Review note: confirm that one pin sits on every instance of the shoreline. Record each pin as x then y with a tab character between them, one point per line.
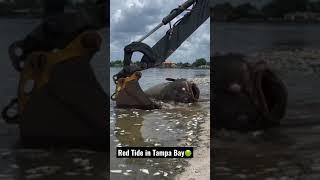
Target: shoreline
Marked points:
267	22
163	67
199	165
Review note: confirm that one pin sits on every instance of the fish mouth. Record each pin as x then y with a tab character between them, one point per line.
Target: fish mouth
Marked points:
272	93
190	92
194	91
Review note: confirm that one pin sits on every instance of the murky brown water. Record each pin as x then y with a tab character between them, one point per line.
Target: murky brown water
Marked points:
290	151
173	125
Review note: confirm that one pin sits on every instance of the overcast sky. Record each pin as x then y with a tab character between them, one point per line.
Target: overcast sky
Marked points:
131	19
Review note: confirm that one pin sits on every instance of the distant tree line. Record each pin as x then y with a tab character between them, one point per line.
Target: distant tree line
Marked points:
8	7
273	9
197	63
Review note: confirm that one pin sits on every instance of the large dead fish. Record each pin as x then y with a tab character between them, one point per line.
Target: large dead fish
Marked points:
176	90
248	95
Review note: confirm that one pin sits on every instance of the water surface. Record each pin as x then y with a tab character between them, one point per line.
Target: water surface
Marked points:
290	151
176	124
252	37
173	125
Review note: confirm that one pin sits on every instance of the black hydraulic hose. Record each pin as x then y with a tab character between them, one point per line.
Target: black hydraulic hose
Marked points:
174	13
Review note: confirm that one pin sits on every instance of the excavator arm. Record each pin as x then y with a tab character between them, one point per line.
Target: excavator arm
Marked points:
197	14
175	36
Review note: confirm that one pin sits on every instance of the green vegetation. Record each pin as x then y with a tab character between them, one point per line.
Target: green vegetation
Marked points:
279	8
198	63
34	8
275	10
117	63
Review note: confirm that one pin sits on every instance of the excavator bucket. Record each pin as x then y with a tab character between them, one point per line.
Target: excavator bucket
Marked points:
130	95
60	102
68	111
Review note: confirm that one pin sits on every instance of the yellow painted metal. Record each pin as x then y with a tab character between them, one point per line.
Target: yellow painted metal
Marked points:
121	83
38	66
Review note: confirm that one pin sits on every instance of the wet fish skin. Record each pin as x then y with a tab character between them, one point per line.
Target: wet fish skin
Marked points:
177	90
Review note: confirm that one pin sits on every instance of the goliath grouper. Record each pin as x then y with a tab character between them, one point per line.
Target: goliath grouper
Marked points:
131	95
177	90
